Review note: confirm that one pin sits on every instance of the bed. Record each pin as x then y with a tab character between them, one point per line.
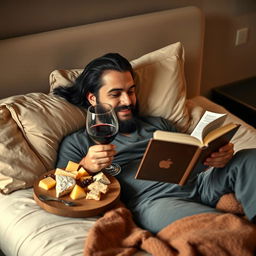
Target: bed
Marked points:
32	124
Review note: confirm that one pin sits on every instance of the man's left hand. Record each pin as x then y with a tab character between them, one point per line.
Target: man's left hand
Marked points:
221	158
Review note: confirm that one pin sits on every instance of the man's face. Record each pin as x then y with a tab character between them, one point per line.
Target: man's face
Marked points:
118	90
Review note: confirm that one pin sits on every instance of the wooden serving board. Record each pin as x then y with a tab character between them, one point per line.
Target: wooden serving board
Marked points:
85	207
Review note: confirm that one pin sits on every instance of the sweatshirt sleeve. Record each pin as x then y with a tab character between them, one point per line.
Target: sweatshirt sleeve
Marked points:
72	148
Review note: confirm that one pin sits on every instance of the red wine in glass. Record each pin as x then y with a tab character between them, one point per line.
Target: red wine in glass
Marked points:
102	126
103	133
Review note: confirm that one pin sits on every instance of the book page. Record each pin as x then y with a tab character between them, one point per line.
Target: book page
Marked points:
208	122
176	137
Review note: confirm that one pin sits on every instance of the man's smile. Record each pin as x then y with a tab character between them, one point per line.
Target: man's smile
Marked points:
124	111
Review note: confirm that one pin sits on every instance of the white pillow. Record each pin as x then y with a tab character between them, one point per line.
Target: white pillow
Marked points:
160	81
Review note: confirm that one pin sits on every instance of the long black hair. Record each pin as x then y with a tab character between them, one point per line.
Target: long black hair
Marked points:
90	80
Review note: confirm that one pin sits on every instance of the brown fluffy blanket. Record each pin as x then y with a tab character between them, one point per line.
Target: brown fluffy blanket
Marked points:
207	234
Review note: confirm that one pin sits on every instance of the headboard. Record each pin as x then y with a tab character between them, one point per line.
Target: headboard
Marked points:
27	61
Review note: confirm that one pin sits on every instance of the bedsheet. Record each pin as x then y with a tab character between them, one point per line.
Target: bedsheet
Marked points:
26	229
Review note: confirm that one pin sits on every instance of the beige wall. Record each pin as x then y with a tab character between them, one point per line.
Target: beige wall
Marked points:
223	61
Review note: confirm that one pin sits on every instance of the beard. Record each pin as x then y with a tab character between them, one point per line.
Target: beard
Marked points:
129	125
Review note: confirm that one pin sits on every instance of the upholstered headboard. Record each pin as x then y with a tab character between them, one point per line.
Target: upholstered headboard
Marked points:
27	61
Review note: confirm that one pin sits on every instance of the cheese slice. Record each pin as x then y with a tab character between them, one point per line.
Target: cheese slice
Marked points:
81	173
98	186
72	166
77	193
101	177
62	172
95	195
47	183
64	185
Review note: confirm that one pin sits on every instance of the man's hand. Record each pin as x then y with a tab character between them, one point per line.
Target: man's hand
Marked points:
98	157
221	158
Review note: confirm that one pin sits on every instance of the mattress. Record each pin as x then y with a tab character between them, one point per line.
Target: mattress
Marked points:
26	229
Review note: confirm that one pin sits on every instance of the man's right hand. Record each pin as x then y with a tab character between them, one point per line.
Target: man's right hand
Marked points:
98	157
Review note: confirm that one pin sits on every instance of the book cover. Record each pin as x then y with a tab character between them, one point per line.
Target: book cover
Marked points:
165	161
173	157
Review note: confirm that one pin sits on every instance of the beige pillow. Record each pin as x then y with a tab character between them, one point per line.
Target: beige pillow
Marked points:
63	77
161	86
32	127
19	165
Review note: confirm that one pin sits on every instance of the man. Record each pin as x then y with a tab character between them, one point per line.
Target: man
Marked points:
109	79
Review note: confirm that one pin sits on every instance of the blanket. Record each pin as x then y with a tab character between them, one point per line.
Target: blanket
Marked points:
206	234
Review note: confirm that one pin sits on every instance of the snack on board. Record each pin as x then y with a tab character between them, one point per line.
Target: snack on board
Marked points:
77	193
75	181
93	194
72	166
62	172
98	186
47	183
85	181
64	185
82	173
101	177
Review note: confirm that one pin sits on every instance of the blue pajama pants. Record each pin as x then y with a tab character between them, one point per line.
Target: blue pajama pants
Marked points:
239	176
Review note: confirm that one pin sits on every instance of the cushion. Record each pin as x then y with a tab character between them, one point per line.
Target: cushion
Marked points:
19	165
161	86
32	126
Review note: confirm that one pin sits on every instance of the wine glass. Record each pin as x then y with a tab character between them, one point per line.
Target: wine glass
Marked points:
102	127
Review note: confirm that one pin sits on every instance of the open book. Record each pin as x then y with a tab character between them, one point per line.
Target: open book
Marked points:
177	157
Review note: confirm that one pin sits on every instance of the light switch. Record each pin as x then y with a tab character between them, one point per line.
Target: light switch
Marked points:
241	36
